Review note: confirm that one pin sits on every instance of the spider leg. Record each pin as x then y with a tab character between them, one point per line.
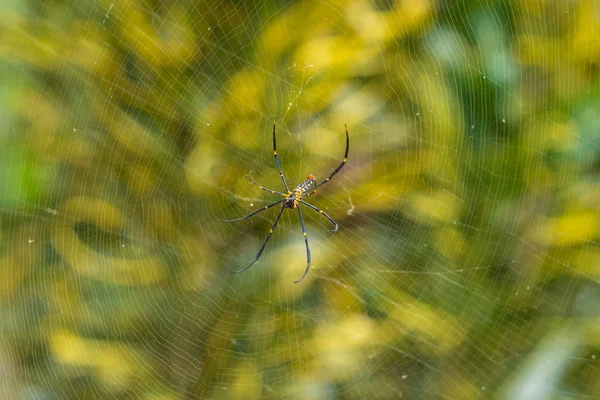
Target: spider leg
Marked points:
339	166
313	191
307	248
252	213
264	244
277	159
322	213
266	189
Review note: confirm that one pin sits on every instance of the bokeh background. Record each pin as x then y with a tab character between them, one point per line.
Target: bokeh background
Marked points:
467	264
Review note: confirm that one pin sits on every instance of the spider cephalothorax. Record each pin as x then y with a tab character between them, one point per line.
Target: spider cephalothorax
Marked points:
293	199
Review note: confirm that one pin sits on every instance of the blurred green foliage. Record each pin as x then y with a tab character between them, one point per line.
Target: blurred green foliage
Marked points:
467	262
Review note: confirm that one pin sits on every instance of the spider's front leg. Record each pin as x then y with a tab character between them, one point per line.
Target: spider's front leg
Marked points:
264	244
252	213
265	189
306	242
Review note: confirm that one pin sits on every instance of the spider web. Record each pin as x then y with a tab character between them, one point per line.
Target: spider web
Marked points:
466	264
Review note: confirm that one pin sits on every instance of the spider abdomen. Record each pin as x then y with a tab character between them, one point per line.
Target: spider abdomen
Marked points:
294	197
305	185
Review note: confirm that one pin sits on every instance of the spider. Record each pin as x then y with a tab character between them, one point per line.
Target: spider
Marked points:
293	199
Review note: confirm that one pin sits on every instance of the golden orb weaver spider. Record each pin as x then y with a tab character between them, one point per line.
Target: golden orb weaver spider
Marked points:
293	199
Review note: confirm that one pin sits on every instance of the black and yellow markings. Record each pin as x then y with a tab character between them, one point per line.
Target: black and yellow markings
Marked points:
292	199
